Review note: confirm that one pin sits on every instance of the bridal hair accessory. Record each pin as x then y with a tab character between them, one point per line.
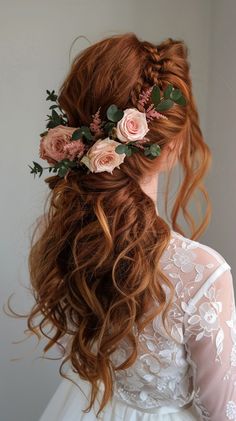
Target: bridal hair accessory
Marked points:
103	145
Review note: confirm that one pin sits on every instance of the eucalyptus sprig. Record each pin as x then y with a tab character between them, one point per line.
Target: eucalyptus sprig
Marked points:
84	132
113	114
55	119
171	95
61	167
150	151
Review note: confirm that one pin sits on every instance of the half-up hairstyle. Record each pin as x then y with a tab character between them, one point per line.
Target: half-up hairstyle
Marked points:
94	266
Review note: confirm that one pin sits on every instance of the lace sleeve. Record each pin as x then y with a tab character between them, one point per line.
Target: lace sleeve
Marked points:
210	342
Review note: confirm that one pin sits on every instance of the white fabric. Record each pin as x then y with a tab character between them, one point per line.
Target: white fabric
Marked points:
194	379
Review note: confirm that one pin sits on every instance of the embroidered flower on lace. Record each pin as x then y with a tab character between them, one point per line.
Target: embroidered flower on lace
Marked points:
231	410
232	325
184	259
206	321
159	374
200	408
179	259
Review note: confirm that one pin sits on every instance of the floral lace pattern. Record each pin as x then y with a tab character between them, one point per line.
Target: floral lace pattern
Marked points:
203	321
231	410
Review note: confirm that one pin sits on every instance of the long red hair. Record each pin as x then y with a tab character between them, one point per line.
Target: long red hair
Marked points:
94	261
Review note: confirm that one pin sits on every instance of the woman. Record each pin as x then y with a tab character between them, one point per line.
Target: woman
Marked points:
144	314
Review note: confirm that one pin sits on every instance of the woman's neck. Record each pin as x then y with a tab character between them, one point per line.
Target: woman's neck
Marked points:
150	186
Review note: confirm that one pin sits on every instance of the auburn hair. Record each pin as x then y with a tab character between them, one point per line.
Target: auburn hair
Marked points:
94	256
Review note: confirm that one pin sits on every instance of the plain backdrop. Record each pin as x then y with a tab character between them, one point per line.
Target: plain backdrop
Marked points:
34	48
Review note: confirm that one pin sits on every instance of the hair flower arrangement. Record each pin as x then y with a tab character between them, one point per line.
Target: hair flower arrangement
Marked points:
103	145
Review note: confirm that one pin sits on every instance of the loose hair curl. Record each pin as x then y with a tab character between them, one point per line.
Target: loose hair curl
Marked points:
94	267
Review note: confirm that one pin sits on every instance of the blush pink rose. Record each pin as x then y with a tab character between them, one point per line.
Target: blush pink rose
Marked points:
133	126
53	143
102	156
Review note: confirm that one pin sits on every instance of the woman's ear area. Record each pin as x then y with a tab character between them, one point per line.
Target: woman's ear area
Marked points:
170	148
173	145
169	155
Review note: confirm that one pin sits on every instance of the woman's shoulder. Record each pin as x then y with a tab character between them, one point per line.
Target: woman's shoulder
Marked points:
200	251
189	261
192	266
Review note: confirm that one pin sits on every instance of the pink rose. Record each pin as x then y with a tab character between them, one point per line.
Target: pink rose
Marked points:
53	143
102	156
133	125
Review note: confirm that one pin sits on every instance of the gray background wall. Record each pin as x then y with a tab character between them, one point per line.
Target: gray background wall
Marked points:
34	47
220	128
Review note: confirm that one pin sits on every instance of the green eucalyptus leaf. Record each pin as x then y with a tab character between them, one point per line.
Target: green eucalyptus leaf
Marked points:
176	94
148	154
55	120
156	95
119	115
76	134
63	166
38	166
181	100
73	164
114	114
62	171
133	147
129	152
155	149
51	96
146	151
64	122
53	106
151	157
51	124
168	91
36	169
55	116
86	132
109	126
165	104
122	149
112	109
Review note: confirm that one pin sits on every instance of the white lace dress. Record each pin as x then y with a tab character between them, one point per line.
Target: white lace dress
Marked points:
196	379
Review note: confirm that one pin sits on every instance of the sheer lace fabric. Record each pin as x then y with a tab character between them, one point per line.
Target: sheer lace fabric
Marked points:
200	368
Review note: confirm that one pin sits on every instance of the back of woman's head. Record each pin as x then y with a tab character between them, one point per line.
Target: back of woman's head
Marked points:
94	267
